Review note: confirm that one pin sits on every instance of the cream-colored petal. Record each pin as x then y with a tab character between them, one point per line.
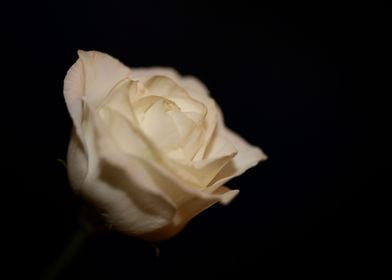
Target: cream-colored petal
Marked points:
159	126
189	210
191	144
118	99
169	84
195	87
140	91
187	104
145	73
247	157
165	87
74	85
198	91
227	194
77	162
127	137
219	146
210	122
101	73
91	78
201	172
123	190
184	125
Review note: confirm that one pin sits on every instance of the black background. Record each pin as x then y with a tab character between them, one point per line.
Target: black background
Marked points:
301	81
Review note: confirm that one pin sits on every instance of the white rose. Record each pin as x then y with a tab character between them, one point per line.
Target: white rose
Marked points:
149	148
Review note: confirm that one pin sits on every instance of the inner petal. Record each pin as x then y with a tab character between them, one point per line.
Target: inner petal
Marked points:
187	104
126	136
118	99
157	123
202	172
165	87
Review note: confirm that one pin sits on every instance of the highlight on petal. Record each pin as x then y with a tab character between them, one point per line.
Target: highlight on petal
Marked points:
101	73
118	99
123	190
159	126
125	135
91	78
247	157
201	172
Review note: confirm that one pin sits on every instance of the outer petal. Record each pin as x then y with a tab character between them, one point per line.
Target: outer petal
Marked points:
122	189
73	94
189	201
77	163
189	210
201	172
91	77
247	157
101	73
195	87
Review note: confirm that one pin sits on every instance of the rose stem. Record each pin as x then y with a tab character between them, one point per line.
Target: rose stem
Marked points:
69	252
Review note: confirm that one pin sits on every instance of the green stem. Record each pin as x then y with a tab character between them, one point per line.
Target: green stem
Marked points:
69	252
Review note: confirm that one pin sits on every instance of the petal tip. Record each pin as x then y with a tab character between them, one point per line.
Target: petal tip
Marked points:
227	197
81	52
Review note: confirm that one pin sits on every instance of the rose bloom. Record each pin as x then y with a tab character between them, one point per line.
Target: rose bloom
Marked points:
149	148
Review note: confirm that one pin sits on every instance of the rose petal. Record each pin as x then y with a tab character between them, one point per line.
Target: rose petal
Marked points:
189	210
73	94
127	137
118	99
210	121
247	157
188	105
189	201
196	90
194	87
145	73
165	87
77	163
92	77
201	171
159	126
184	124
101	73
122	188
190	145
